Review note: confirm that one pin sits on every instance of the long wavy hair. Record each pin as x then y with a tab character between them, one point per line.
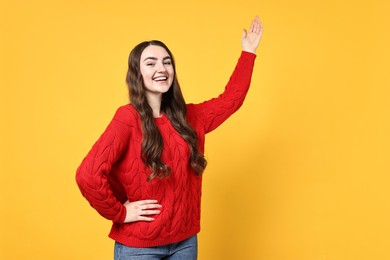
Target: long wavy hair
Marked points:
173	106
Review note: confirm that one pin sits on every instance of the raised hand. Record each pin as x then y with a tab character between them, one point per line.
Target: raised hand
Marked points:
141	210
251	38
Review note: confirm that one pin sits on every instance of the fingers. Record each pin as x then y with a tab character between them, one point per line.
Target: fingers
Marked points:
251	38
144	215
150	208
147	204
146	208
259	27
150	212
141	218
253	25
141	210
256	26
244	33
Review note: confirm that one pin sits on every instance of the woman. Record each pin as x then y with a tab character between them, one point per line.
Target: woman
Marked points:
145	171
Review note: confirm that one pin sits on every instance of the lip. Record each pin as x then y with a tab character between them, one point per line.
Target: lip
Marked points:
160	78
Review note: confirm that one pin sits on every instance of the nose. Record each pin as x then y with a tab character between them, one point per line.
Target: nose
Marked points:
161	67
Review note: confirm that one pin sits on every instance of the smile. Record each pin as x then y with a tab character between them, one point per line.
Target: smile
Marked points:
160	78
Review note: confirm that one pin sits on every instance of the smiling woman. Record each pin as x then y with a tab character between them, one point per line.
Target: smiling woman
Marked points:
145	171
157	74
150	101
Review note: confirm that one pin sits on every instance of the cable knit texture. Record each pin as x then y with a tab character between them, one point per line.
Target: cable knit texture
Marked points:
113	171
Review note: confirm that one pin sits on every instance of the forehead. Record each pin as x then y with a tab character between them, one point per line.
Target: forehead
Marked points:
154	51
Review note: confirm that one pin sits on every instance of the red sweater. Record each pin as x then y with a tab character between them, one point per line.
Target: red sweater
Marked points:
113	171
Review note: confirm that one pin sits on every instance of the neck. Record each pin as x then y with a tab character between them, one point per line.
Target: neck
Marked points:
154	101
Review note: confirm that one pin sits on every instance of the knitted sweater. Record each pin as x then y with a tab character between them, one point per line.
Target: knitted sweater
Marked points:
113	171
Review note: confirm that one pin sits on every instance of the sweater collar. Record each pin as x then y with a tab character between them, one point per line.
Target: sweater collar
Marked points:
161	120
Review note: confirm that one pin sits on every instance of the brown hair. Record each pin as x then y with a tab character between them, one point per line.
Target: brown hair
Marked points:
174	107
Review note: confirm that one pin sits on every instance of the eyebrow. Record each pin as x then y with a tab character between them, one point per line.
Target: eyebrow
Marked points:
154	58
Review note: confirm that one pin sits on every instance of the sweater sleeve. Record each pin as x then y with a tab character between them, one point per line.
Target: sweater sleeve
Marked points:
92	174
214	112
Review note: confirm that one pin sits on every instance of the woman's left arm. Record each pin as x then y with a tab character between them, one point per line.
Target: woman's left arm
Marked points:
214	112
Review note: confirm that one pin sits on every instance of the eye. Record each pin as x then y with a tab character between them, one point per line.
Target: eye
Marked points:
167	63
149	64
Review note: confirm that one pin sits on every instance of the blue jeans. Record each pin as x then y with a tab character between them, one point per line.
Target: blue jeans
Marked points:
183	250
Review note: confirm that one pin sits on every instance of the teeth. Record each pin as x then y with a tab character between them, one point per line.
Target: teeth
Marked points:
160	78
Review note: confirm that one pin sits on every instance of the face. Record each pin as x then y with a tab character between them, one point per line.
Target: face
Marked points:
156	69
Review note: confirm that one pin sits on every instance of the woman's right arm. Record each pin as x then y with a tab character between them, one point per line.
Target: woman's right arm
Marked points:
91	175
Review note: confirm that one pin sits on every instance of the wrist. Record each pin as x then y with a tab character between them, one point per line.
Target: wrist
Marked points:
249	50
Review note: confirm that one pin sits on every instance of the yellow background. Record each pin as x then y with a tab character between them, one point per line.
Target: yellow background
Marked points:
301	172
